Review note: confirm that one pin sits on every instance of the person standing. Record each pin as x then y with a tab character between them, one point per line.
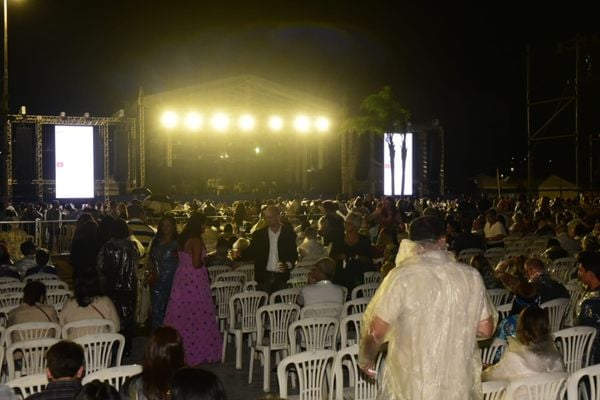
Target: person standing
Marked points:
430	309
191	309
587	312
273	249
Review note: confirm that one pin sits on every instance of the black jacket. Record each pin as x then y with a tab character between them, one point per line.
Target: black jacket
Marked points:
259	249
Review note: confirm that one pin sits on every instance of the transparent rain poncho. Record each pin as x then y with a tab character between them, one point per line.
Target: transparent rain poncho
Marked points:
433	306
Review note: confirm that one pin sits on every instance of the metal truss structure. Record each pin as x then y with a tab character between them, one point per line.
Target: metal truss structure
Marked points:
103	123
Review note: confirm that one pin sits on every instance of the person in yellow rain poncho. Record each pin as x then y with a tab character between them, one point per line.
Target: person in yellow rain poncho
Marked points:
430	310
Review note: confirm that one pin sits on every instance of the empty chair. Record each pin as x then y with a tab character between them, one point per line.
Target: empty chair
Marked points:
289	295
28	385
586	382
115	376
372	277
231	276
222	292
30	331
313	334
557	309
312	369
8	279
58	298
242	320
215	270
33	356
350	330
248	270
99	350
56	284
499	296
493	390
537	387
575	344
324	309
278	318
12	287
364	290
359	386
491	354
355	306
40	277
75	329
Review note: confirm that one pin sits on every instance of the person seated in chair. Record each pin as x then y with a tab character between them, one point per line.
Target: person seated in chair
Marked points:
32	309
320	288
42	257
64	369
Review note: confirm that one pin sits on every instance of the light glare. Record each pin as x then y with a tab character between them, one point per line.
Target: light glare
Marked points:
302	123
220	121
275	123
193	121
169	119
247	122
257	150
322	124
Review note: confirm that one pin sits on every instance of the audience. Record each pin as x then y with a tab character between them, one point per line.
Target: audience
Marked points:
32	309
42	257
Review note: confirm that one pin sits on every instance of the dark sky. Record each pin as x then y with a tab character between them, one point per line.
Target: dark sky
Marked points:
462	64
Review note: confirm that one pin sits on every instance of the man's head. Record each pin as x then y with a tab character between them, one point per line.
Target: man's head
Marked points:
27	248
34	292
490	216
42	257
273	217
534	267
588	268
425	228
324	270
65	359
136	211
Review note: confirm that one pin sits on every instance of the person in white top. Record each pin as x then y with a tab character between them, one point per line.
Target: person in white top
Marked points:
310	249
320	288
493	230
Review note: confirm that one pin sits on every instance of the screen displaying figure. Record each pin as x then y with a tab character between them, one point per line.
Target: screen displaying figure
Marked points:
387	177
74	162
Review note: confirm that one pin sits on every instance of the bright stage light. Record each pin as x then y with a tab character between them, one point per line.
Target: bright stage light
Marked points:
247	122
220	121
193	121
169	119
302	123
257	150
322	124
275	123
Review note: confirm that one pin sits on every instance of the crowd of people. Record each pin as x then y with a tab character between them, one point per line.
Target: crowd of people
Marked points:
129	270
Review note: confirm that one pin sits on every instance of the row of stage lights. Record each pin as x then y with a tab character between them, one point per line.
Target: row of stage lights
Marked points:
223	122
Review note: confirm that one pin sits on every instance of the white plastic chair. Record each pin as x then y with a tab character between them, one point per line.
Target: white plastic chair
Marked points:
31	331
576	292
312	369
575	344
494	254
40	277
493	390
58	297
56	284
248	270
222	292
504	310
215	270
297	282
83	327
242	320
325	309
274	319
8	279
488	354
465	255
2	333
549	386
584	384
499	296
289	295
355	306
33	360
250	286
348	324
313	333
360	386
372	277
98	350
299	272
364	290
557	309
4	314
12	287
28	385
232	276
11	299
114	376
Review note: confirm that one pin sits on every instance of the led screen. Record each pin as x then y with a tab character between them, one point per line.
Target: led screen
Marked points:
387	178
74	162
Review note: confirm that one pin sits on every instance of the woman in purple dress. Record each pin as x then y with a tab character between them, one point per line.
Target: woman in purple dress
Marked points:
191	309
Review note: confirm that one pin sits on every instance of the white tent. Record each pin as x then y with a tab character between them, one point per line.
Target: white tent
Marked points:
555	186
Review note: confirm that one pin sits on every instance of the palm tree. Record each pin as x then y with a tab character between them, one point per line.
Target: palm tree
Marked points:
383	115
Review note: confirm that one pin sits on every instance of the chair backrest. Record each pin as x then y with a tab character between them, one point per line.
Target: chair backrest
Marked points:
364	290
242	309
11	299
557	309
279	317
114	376
84	327
312	369
232	276
538	387
465	255
289	295
372	277
299	272
250	285
4	314
575	344
350	323
588	376
504	310
325	309
360	386
222	292
567	262
355	306
12	287
98	350
40	277
56	284
215	270
498	296
314	334
494	390
28	385
8	279
33	356
493	353
30	331
297	282
248	270
58	297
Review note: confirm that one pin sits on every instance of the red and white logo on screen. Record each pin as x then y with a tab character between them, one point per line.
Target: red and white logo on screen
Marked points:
60	164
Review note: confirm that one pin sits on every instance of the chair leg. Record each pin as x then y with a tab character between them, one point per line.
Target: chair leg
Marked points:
267	369
238	349
251	366
224	351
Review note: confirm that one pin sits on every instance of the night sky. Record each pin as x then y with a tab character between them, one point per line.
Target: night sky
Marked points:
462	64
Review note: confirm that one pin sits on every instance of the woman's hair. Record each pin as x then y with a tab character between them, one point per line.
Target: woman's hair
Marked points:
4	255
160	232
193	228
533	326
97	390
196	384
119	229
87	288
33	292
163	356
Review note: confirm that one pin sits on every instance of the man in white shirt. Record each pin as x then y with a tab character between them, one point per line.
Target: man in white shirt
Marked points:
493	230
320	288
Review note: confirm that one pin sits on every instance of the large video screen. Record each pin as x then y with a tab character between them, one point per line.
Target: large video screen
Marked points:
387	177
74	162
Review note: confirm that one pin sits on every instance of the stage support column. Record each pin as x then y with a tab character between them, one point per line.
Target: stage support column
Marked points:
142	139
39	162
104	135
9	162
